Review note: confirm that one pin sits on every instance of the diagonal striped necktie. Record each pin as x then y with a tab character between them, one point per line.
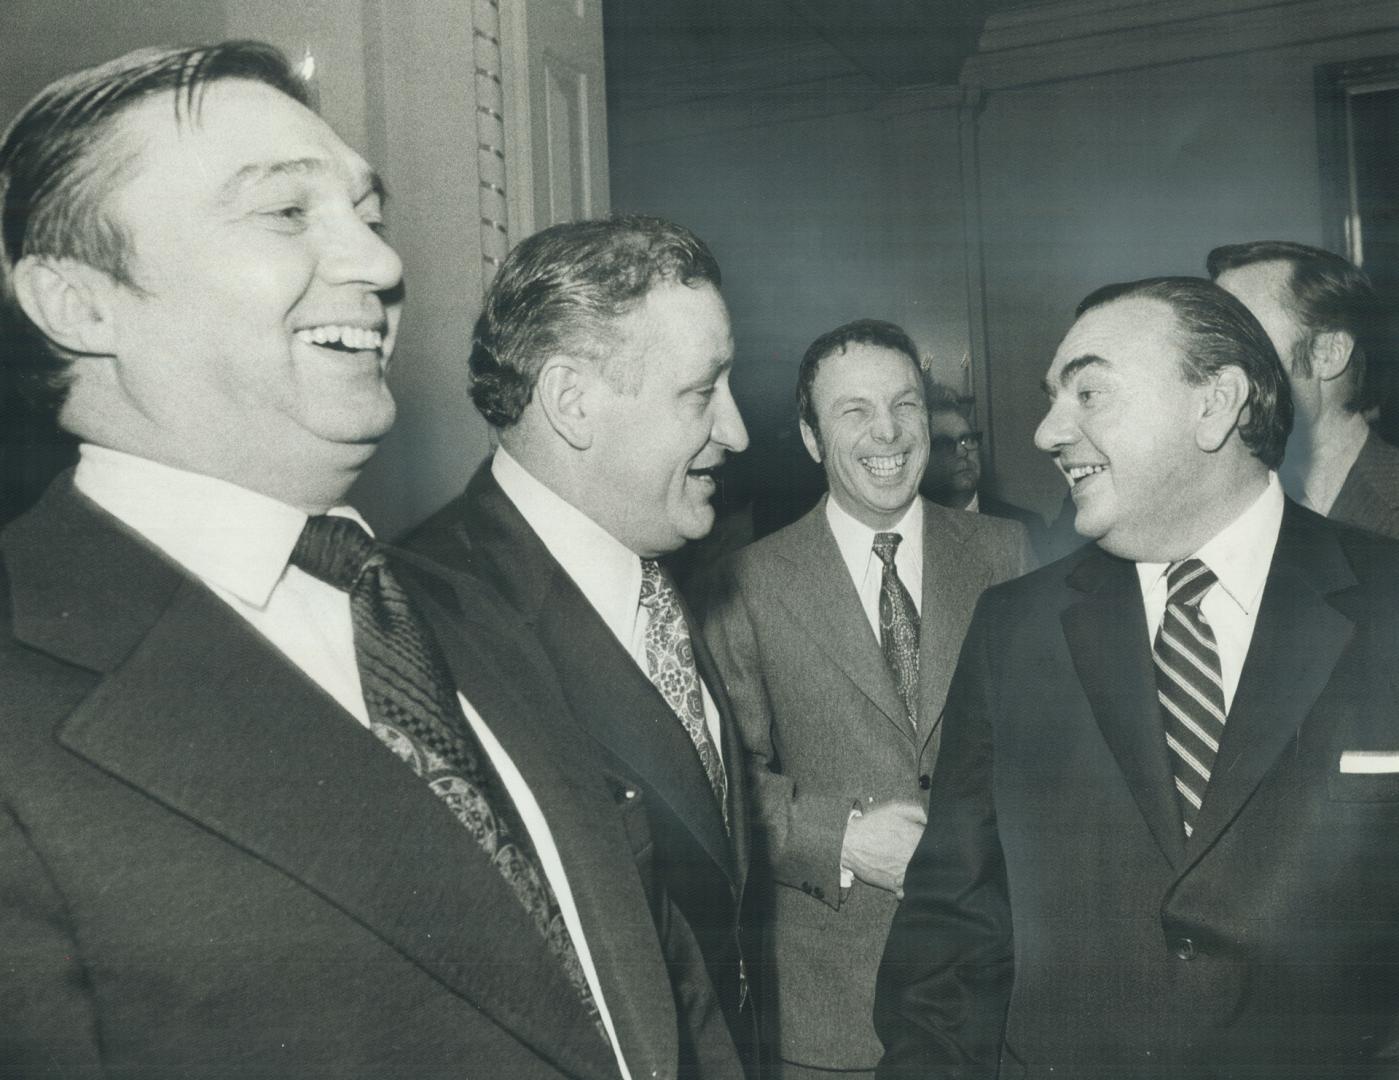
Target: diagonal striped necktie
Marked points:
1189	685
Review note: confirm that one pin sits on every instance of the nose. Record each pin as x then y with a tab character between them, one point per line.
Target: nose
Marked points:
884	426
1055	430
357	253
729	430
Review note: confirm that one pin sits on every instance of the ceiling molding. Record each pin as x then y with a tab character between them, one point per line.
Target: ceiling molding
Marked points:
745	71
1078	38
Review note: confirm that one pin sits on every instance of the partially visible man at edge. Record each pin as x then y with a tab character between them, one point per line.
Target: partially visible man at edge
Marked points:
602	360
1327	324
265	810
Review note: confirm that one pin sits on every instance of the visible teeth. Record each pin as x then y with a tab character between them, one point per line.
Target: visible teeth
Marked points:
884	466
1076	473
351	337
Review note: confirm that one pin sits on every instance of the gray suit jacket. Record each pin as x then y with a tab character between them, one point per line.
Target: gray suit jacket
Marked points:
824	728
1370	496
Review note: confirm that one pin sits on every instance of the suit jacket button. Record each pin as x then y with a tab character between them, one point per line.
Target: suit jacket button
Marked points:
819	893
925	781
1184	949
806	886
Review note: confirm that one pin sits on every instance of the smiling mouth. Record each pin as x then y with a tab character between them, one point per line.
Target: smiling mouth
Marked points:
884	467
342	337
1077	473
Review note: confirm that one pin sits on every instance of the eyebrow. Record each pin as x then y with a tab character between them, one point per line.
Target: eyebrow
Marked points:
1072	368
260	171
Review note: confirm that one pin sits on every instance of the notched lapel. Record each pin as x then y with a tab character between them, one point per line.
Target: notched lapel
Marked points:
1106	635
813	584
1297	641
211	721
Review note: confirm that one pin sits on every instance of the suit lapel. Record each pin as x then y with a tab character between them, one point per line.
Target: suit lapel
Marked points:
204	716
1297	640
605	688
1107	639
940	636
824	600
589	836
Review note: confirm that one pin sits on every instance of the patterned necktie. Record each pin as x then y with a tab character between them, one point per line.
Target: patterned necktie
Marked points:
898	625
670	663
1189	685
413	710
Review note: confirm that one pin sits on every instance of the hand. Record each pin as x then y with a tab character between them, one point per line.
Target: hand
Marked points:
879	843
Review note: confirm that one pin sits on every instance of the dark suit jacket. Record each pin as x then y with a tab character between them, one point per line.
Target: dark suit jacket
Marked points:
631	725
1033	522
823	728
209	869
1370	496
1056	917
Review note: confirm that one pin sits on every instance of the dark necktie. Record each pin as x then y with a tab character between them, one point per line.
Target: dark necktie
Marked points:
1189	685
670	663
413	709
898	625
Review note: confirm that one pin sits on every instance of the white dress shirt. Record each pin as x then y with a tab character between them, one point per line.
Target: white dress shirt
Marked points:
1239	554
856	543
238	543
606	571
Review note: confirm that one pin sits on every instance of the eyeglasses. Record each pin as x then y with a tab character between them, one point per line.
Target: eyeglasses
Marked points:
948	444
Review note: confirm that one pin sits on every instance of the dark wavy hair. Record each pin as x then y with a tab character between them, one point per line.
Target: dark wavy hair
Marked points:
61	159
1217	331
860	332
1324	293
563	290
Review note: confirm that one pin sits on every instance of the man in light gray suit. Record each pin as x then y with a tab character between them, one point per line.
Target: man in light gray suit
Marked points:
836	638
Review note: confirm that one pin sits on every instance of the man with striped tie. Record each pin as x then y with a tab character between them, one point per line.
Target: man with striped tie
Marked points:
1169	786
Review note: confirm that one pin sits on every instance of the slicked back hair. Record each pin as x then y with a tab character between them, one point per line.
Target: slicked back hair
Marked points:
60	160
1324	293
1217	331
860	332
563	291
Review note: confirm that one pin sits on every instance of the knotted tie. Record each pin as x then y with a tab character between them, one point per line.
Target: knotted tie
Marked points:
670	663
413	710
898	624
1189	685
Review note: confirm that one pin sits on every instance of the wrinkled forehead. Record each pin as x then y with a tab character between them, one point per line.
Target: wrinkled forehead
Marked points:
1122	333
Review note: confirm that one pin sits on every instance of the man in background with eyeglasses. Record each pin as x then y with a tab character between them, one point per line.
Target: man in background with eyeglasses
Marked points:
953	476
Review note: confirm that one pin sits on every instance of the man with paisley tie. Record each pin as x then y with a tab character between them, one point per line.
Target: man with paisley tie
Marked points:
1164	815
836	638
601	358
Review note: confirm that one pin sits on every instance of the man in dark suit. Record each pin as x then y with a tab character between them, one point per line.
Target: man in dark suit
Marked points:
602	359
1327	324
1169	781
953	475
272	806
840	740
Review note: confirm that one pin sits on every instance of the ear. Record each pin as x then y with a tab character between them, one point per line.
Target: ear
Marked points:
1224	401
564	390
1331	351
811	440
69	301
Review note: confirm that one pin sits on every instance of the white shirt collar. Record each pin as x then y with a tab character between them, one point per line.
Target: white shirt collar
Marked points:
223	534
855	539
1240	553
606	571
